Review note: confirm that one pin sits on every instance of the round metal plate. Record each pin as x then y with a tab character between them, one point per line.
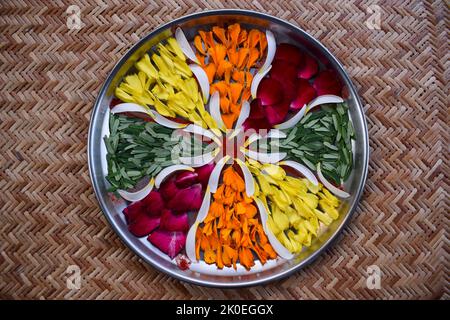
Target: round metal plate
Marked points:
202	273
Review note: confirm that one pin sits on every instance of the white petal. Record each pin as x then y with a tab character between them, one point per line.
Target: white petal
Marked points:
185	46
302	169
336	191
326	98
168	171
190	242
213	182
214	109
138	195
133	107
276	244
248	178
200	160
271	48
195	129
292	121
167	122
243	115
130	107
257	79
264	157
204	208
202	79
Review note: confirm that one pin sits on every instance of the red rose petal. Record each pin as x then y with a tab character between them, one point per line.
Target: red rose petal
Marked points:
133	211
168	189
283	71
309	68
257	124
188	199
186	179
153	203
276	113
171	243
269	92
305	94
256	109
143	225
174	222
290	89
289	53
327	82
203	173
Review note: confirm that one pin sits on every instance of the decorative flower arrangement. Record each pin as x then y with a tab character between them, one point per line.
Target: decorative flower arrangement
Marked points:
229	149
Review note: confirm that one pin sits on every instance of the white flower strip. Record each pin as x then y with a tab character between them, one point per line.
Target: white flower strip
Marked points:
195	129
271	49
308	174
281	250
248	178
324	99
133	107
190	242
168	171
264	157
202	79
185	46
336	191
256	80
215	174
138	195
292	121
214	109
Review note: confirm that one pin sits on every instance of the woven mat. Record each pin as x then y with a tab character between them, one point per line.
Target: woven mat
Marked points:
50	219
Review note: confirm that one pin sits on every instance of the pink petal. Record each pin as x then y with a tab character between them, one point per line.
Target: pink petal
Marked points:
256	109
283	71
133	211
289	53
204	172
174	222
171	243
153	203
168	189
143	225
327	82
186	179
188	199
269	92
309	68
276	113
305	94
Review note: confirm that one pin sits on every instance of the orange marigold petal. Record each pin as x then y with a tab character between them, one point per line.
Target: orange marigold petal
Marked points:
253	57
210	70
199	45
233	32
220	34
242	57
235	90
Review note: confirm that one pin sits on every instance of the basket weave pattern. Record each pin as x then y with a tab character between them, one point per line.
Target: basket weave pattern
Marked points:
50	77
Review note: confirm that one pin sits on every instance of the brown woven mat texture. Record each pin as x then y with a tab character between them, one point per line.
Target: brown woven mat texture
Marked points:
396	53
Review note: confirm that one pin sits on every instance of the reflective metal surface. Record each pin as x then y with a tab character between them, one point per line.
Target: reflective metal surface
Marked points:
203	274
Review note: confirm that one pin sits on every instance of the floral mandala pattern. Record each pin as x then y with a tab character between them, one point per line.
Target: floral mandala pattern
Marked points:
230	149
